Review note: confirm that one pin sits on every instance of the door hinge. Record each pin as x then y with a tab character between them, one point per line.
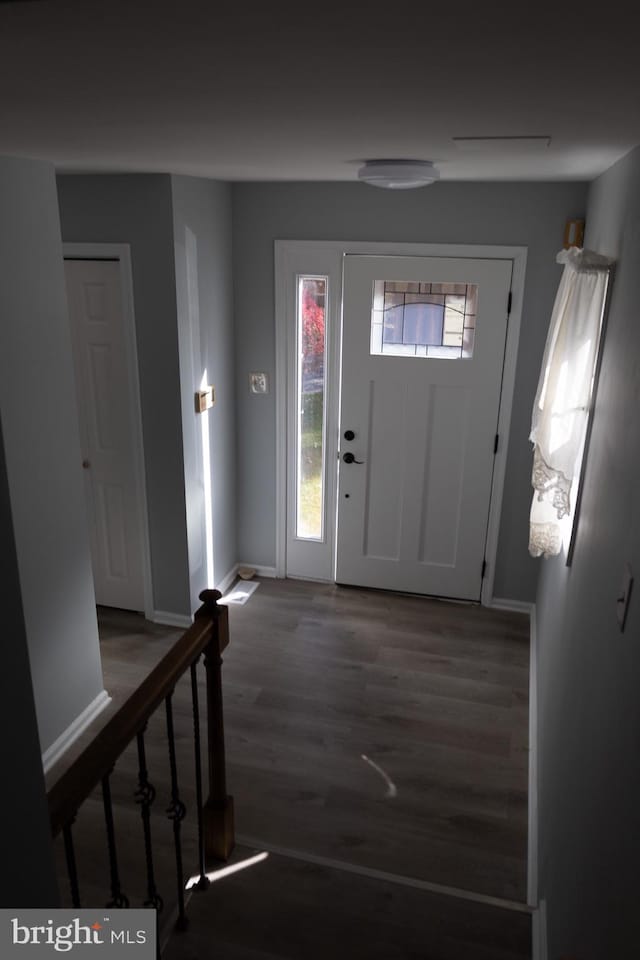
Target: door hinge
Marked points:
484	569
509	299
495	443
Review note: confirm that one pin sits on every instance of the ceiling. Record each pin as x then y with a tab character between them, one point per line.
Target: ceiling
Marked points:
291	91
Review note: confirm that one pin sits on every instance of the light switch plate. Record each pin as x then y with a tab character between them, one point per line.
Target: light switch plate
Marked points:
622	600
258	383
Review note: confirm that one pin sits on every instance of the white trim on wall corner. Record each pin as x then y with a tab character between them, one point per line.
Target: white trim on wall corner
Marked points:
540	950
533	814
516	606
228	579
60	746
269	572
532	837
518	255
281	393
171	619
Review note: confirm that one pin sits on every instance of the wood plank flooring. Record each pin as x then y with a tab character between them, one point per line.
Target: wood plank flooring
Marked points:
286	909
434	693
317	677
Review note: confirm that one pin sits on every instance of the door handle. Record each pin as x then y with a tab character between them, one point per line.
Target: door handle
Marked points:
349	458
86	464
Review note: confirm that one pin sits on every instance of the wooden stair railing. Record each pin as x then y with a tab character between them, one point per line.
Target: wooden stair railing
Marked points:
209	634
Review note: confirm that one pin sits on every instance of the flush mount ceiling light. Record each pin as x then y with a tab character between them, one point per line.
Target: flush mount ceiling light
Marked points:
398	174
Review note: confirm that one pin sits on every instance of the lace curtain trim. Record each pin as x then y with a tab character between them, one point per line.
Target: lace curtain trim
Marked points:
545	539
551	485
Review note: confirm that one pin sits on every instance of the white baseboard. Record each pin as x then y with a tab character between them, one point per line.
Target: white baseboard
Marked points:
60	746
517	606
228	579
540	950
532	838
402	880
172	619
269	572
240	593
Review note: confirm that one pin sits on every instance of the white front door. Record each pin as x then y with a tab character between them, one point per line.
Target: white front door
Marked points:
94	294
422	361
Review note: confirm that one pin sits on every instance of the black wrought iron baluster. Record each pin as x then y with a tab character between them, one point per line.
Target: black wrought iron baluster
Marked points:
145	795
118	898
203	882
71	864
176	812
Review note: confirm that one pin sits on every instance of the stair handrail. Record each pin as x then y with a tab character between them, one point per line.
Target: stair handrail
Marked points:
209	634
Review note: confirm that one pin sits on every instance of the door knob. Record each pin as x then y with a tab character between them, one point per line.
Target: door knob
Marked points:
349	435
349	458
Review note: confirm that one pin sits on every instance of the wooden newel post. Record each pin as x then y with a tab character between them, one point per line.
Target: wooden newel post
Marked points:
218	808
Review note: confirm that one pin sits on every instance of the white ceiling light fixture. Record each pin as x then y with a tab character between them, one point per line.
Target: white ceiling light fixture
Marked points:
398	174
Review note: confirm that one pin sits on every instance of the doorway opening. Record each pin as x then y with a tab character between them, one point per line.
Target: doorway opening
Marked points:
396	429
102	326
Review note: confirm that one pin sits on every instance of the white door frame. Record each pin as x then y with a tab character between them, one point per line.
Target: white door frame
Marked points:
121	252
286	250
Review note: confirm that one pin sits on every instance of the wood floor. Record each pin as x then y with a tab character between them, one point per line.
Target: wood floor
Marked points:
434	693
316	679
288	909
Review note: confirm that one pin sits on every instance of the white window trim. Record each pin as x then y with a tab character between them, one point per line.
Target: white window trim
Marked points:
584	454
292	261
329	255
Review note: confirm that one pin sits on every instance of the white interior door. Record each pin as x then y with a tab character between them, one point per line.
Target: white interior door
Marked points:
94	293
422	358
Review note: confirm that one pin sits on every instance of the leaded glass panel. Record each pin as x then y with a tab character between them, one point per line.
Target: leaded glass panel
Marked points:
421	319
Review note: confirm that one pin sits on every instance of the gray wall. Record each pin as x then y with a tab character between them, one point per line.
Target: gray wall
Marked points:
589	707
42	450
26	840
526	214
202	236
137	209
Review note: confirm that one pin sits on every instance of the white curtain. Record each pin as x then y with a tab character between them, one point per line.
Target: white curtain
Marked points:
562	402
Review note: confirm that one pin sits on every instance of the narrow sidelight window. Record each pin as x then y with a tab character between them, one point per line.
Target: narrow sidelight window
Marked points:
310	433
